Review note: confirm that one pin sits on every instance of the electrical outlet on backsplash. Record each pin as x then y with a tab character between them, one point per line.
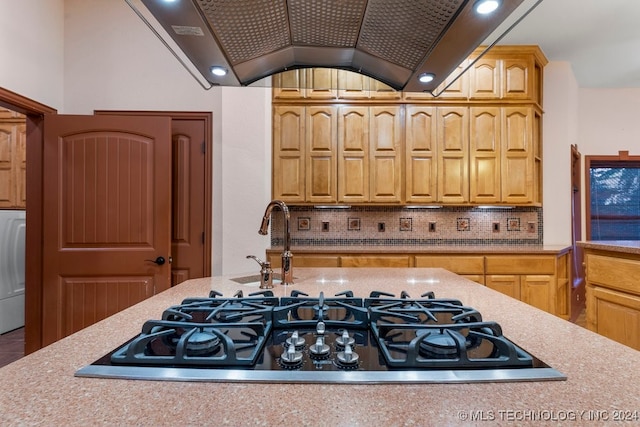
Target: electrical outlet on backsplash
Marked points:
366	225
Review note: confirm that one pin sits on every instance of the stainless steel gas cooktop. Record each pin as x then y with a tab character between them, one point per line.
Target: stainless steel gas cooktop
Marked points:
382	338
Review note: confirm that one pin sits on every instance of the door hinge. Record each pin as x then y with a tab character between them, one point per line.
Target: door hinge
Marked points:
203	237
203	147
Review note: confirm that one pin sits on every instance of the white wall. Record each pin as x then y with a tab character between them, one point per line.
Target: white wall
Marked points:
609	121
113	61
31	48
560	125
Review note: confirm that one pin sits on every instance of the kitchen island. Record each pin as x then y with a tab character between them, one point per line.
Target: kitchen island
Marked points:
613	290
603	378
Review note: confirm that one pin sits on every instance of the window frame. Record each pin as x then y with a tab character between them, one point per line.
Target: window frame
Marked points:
623	158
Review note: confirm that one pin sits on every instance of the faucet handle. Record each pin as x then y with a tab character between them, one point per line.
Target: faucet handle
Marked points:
256	259
266	274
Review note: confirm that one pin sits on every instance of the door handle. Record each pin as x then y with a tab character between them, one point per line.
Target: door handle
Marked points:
160	260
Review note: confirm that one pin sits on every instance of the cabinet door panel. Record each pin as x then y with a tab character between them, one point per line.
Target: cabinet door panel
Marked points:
517	155
517	83
536	290
506	284
13	138
453	154
321	162
7	145
289	153
352	85
321	83
289	84
615	315
353	160
420	146
379	90
485	79
384	146
484	147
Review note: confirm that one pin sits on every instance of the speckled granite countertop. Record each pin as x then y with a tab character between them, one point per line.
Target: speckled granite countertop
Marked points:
436	249
625	246
603	376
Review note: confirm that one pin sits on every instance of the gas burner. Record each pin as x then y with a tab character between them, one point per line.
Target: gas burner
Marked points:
438	344
301	311
202	343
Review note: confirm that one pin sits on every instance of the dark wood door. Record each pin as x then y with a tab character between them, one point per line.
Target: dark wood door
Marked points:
107	217
191	184
189	206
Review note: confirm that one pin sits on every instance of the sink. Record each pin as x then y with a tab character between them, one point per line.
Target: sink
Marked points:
254	279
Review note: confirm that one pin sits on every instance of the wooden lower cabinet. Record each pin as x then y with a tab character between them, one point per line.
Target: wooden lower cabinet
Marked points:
375	261
613	296
341	260
535	290
470	267
542	281
539	280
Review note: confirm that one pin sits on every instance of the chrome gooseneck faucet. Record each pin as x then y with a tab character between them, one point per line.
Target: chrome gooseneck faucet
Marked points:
287	265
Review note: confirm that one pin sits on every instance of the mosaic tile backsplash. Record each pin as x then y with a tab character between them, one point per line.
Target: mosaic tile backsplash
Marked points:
396	225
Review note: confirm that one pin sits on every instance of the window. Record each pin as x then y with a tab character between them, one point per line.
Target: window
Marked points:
613	197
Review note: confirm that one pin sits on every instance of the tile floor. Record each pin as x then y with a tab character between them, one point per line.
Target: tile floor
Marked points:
11	346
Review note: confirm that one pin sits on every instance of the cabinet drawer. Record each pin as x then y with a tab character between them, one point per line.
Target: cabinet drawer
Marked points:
520	264
616	273
456	264
375	261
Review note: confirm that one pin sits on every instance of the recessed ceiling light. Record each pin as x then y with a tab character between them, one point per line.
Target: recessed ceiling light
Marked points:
218	71
484	7
426	77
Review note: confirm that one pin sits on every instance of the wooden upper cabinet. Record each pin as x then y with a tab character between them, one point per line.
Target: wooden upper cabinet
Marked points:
379	90
485	79
7	148
354	86
321	83
288	182
518	80
13	137
369	160
484	147
453	154
342	137
289	84
321	160
421	154
517	171
353	154
509	73
385	154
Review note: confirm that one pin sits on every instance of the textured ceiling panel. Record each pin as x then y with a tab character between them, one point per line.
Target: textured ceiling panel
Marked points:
248	29
333	23
403	31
